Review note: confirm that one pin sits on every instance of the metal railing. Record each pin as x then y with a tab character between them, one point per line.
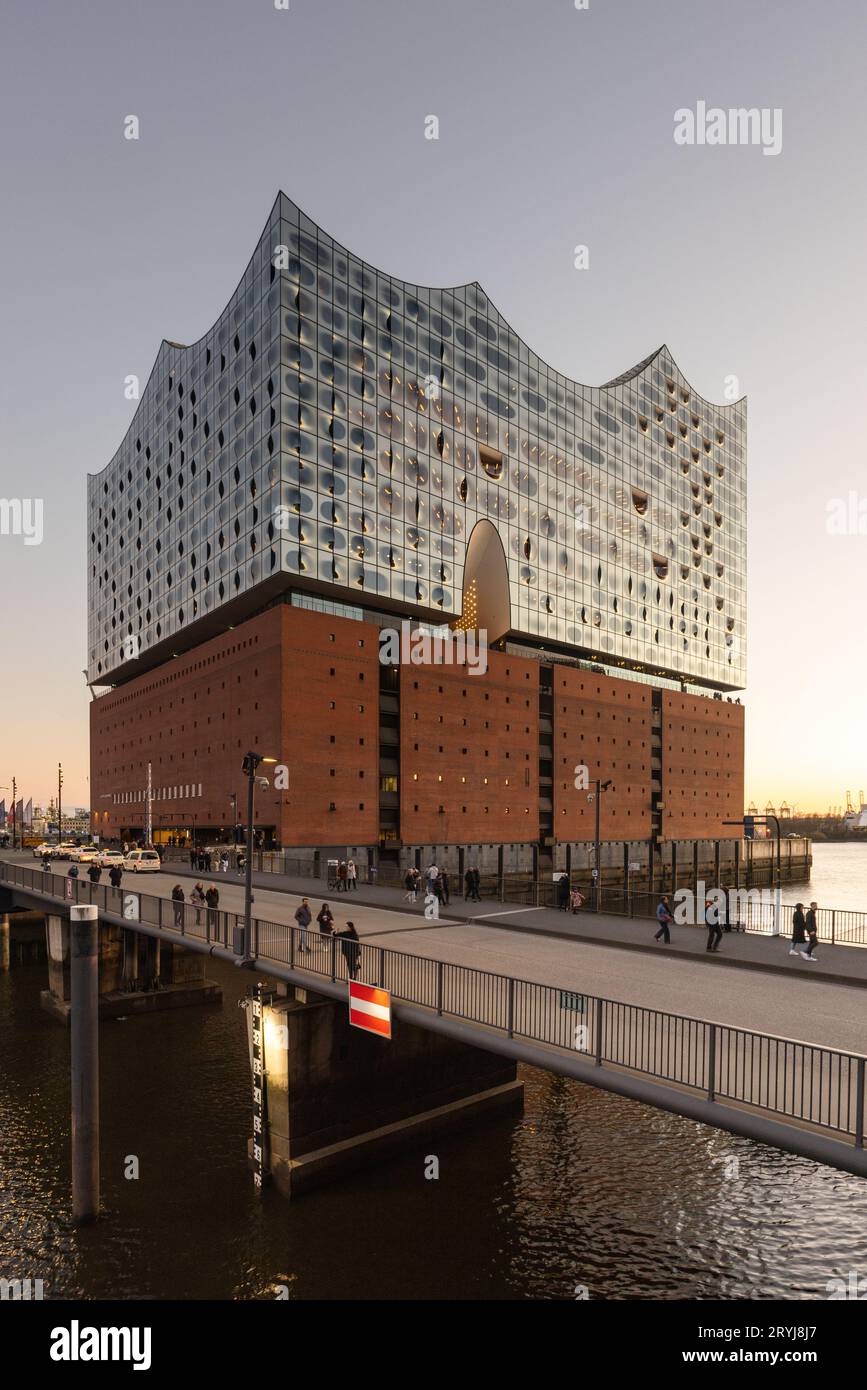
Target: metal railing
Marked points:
801	1082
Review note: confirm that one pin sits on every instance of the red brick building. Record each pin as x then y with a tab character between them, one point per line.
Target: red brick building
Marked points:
390	759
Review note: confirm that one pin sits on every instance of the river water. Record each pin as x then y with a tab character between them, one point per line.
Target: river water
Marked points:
584	1190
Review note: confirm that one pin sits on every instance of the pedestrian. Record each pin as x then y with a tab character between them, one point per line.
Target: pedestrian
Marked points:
351	948
409	885
444	887
468	884
193	856
197	898
178	900
224	861
477	883
115	875
73	871
563	892
812	924
712	921
416	881
665	919
212	898
207	861
799	930
242	860
303	917
341	876
94	873
576	900
432	874
351	875
46	862
325	918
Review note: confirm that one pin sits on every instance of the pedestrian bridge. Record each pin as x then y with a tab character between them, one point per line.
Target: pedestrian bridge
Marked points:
799	1096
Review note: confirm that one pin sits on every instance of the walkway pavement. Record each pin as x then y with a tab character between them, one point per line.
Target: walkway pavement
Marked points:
751	984
747	950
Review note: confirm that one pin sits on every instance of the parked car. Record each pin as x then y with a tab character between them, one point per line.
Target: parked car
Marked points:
63	850
44	848
142	861
109	858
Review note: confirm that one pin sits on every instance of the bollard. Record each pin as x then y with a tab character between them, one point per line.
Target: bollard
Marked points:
84	1057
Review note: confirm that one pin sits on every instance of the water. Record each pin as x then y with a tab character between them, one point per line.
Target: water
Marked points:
838	878
585	1189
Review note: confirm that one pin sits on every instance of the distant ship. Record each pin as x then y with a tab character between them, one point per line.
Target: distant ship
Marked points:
855	820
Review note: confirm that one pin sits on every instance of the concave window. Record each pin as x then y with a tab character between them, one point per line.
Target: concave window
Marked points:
660	566
491	460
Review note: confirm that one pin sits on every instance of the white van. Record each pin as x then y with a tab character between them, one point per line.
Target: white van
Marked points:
140	861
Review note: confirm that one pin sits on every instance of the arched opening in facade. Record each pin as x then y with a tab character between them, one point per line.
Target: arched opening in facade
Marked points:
487	603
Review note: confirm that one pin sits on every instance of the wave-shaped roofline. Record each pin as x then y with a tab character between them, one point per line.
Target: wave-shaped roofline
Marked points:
169	345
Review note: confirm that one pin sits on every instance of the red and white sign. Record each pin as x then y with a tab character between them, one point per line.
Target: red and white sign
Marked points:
370	1008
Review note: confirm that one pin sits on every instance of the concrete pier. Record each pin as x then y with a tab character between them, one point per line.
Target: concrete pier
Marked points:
84	1060
338	1098
129	964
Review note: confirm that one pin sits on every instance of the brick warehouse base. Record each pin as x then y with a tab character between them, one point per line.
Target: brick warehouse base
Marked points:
406	756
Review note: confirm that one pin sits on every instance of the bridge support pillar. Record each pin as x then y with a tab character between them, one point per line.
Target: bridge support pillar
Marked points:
338	1098
178	973
5	946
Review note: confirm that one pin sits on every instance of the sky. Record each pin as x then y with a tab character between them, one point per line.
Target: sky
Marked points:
556	129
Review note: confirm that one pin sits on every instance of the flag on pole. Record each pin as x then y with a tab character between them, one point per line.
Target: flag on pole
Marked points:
3	811
28	812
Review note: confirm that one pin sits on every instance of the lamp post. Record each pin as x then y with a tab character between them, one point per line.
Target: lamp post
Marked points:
59	817
14	814
763	820
249	766
597	887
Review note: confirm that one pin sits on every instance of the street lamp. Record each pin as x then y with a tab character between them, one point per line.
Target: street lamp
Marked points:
597	887
59	817
249	766
763	820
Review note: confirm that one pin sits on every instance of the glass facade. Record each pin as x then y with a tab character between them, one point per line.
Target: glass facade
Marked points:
343	428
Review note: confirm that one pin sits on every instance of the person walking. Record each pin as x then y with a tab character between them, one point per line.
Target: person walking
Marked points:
178	901
212	898
409	885
812	924
468	884
712	922
799	930
576	900
197	898
304	917
432	875
73	871
351	876
351	948
94	873
563	892
193	857
444	888
115	875
224	861
342	874
325	918
665	919
46	862
477	883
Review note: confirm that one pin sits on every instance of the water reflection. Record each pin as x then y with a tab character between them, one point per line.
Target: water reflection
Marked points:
587	1189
